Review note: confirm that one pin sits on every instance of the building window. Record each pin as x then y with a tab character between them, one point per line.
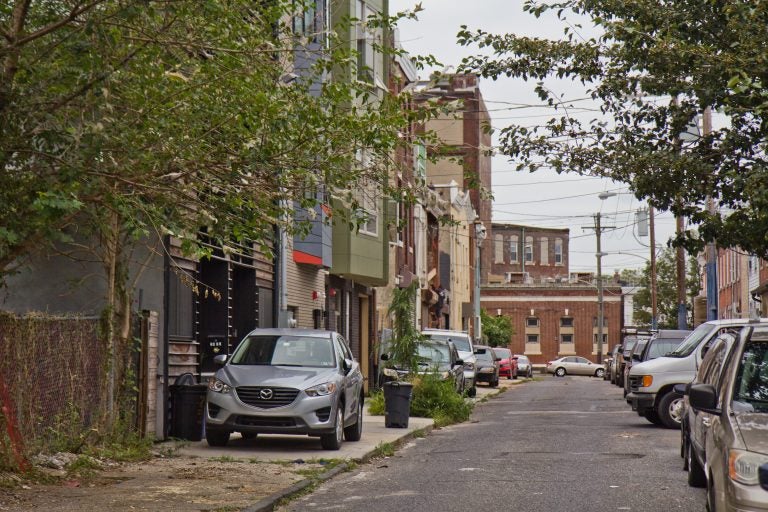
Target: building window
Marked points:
420	160
529	249
307	20
544	256
368	200
367	40
531	321
558	251
566	338
532	338
566	321
513	241
498	249
605	339
605	321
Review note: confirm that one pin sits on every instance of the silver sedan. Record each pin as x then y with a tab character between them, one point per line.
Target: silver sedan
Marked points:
574	365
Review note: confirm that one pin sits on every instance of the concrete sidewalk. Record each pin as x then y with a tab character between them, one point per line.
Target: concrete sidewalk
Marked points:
252	476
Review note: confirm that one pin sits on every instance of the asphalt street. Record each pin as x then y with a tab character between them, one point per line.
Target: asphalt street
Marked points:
553	444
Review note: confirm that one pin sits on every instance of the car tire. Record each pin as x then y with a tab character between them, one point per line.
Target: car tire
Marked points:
666	412
600	373
472	392
514	375
355	431
217	437
333	441
560	372
696	475
494	383
653	418
530	374
509	377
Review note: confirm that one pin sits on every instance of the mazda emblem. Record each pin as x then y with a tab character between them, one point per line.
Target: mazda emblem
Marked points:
265	394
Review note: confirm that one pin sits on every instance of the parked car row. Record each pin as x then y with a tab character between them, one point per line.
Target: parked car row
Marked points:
713	386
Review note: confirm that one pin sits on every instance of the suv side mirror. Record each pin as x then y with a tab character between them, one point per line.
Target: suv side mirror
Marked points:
346	365
220	359
704	398
459	362
636	357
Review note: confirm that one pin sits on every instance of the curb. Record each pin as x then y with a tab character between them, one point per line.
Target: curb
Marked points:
268	504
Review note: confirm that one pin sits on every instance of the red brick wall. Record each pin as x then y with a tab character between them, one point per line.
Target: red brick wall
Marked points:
537	270
549	305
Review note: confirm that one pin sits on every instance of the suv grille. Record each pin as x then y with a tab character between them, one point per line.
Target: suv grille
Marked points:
634	382
265	397
254	421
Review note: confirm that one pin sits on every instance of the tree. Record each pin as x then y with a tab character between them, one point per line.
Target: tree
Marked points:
124	122
654	68
666	291
497	330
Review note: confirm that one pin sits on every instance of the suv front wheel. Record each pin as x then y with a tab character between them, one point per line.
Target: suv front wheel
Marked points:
333	441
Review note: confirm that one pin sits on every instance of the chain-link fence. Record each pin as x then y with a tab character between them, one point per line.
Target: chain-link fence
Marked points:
52	374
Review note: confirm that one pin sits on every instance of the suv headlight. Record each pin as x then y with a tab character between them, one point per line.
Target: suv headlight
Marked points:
743	466
323	389
219	386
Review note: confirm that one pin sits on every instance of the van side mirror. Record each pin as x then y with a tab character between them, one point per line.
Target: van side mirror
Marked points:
703	397
636	357
762	473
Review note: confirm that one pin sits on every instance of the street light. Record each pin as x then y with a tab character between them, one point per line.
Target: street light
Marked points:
480	234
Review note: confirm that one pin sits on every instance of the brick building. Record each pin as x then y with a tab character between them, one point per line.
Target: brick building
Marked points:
528	254
553	320
553	312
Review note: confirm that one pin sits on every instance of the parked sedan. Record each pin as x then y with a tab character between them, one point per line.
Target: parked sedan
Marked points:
487	365
508	366
574	365
524	366
287	381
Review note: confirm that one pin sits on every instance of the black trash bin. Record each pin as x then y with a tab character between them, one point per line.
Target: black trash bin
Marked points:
187	409
397	404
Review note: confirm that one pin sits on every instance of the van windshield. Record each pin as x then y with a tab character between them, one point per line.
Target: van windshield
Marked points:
692	341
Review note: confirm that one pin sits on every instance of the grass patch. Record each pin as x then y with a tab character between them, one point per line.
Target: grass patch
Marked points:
223	458
376	404
419	433
384	450
84	466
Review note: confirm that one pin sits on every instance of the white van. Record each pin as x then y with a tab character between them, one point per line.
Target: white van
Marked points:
651	383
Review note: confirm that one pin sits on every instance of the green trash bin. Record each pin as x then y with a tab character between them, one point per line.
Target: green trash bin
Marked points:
397	404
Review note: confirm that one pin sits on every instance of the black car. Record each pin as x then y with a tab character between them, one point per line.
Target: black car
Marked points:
624	353
486	365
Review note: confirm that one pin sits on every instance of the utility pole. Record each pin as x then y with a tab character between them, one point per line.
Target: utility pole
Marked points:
711	266
654	313
598	227
682	321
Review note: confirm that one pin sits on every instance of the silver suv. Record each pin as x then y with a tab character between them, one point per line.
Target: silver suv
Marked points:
736	445
464	345
287	381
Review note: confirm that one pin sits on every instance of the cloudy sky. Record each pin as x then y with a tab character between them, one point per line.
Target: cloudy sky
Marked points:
542	198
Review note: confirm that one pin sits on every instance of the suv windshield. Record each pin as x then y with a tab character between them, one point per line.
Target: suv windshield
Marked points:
461	341
690	343
430	354
284	351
